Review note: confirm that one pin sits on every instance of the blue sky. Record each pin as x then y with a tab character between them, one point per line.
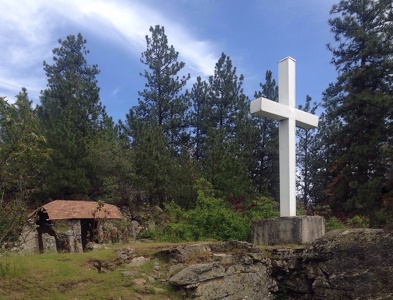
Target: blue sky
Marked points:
256	34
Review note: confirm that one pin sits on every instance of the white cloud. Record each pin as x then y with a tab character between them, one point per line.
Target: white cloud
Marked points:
128	24
29	31
25	34
198	55
115	91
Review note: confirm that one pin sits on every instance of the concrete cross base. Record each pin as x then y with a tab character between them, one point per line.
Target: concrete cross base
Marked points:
287	230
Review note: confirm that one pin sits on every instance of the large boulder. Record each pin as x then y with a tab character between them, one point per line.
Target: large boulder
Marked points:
235	270
344	264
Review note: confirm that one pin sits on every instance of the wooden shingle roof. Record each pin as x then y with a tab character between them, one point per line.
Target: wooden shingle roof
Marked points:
75	209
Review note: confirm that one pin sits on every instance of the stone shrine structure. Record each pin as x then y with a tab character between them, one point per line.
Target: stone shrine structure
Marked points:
81	222
289	228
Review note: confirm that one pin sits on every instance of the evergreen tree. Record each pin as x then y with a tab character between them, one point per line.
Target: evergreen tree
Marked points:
322	151
162	99
157	125
111	158
359	104
200	113
266	169
223	119
183	177
69	115
227	103
306	156
24	155
224	166
154	163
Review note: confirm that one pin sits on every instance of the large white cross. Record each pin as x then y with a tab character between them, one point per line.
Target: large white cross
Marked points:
284	110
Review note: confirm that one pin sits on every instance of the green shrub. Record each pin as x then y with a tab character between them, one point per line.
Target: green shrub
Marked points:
212	218
358	222
215	219
262	208
148	234
333	223
338	220
180	232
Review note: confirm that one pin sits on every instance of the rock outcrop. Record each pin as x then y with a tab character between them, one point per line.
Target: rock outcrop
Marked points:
231	270
216	281
344	264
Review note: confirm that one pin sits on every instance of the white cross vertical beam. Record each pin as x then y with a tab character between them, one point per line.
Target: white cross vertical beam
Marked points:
287	137
289	118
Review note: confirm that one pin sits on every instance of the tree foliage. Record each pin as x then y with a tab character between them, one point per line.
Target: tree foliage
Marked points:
157	125
221	113
199	120
24	155
112	165
307	157
359	104
69	117
265	144
162	99
227	102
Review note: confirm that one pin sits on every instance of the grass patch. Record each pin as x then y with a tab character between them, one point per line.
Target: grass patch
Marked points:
72	276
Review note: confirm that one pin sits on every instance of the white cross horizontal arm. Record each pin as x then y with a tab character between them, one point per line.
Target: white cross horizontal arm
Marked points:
305	120
270	109
277	111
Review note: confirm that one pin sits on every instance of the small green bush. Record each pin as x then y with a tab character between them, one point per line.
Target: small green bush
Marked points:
180	232
211	219
214	218
358	222
333	223
342	221
262	208
148	234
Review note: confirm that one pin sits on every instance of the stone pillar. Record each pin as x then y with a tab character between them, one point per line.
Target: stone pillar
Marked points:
287	230
28	239
74	234
48	242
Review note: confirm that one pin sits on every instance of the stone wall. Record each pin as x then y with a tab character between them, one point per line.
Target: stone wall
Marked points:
34	239
28	239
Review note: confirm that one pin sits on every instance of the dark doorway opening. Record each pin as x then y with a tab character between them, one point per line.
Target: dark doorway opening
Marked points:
44	226
89	232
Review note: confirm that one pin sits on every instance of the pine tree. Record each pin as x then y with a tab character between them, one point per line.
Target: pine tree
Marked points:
24	155
359	104
306	155
225	117
227	102
200	113
224	167
154	163
266	168
112	164
322	155
158	125
162	99
69	115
